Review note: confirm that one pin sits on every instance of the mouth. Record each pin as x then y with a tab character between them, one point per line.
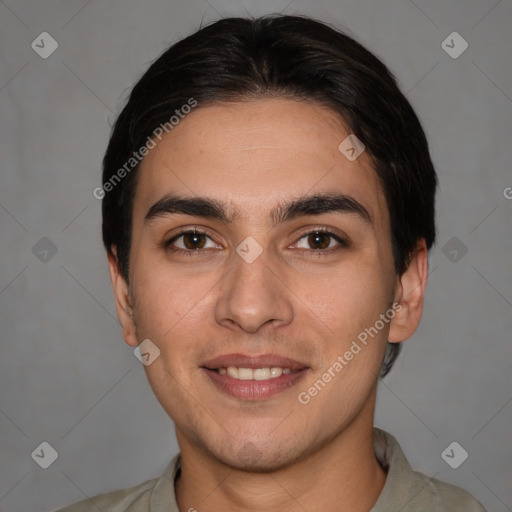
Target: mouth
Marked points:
257	374
254	377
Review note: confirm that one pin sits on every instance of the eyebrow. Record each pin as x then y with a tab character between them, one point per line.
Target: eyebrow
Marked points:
206	207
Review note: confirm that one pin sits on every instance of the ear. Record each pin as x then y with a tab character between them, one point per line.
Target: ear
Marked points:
409	295
123	302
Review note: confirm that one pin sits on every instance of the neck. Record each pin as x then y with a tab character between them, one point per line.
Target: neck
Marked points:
343	475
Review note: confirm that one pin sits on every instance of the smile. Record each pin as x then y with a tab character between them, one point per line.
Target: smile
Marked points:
249	377
254	374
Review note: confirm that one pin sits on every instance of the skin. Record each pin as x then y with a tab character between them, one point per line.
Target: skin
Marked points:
295	300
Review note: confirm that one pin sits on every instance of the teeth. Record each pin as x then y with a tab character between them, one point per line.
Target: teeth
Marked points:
256	374
276	372
233	372
245	374
261	373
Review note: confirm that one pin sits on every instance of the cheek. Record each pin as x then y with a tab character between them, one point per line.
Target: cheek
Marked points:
174	311
346	307
164	295
350	298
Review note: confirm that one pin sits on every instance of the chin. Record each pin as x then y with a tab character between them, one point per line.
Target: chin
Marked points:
262	464
265	458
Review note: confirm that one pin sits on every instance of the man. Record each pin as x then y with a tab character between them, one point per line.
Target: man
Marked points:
268	207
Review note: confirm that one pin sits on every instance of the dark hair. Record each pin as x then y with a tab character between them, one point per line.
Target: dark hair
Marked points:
237	59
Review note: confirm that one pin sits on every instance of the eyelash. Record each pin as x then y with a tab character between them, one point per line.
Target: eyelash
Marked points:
320	252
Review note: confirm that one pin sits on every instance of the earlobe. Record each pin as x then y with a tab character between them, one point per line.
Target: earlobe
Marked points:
123	302
409	294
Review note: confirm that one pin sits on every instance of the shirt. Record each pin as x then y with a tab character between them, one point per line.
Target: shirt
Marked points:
405	490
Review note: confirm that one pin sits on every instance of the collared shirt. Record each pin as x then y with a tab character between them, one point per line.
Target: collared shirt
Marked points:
405	490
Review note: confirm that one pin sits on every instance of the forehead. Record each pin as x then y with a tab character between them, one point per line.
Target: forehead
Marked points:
256	154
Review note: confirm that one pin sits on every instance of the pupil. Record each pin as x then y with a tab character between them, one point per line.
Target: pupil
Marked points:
317	238
193	241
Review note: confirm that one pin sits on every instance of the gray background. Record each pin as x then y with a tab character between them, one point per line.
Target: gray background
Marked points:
66	376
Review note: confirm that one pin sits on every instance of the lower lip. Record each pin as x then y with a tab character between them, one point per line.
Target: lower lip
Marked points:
254	389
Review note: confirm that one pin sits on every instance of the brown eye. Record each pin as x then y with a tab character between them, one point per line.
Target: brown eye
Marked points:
188	241
320	240
194	240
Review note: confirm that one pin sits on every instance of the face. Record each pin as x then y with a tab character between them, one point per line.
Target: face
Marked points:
254	291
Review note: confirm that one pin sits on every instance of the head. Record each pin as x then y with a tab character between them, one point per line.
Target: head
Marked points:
242	126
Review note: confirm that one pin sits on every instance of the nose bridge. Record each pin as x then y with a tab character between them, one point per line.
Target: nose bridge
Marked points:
252	295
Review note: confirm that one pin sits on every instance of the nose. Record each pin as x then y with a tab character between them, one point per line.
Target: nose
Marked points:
253	295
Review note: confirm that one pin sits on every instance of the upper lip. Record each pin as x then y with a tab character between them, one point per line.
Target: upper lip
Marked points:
253	361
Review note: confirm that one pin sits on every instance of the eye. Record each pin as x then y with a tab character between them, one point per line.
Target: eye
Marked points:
317	240
320	240
191	240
